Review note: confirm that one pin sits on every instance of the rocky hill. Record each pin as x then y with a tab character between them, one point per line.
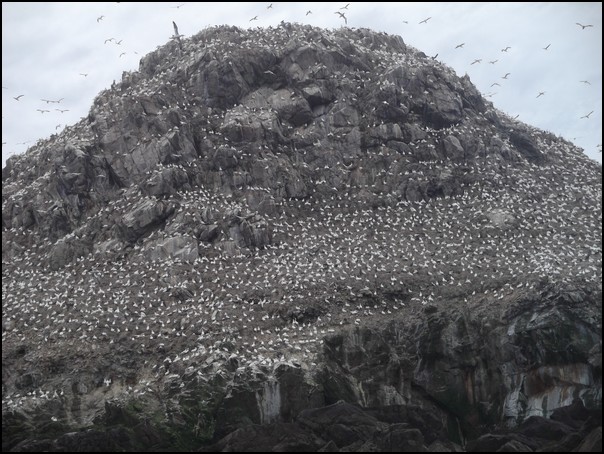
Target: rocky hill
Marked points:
300	239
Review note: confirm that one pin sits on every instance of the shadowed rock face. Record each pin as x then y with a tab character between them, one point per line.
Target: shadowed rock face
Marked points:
296	239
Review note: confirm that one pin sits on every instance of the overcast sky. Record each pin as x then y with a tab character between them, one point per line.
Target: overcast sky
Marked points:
48	47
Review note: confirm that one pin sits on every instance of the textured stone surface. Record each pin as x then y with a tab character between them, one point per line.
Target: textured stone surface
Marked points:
293	239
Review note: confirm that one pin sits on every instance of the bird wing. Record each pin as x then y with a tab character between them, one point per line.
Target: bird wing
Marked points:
175	28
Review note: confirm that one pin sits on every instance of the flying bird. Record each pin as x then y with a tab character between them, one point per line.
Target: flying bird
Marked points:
42	110
18	97
405	22
506	75
425	21
546	47
583	27
506	49
587	116
108	40
62	110
119	43
122	54
493	84
84	74
254	18
308	12
459	46
478	60
345	7
269	6
342	16
178	6
100	18
586	82
492	62
541	93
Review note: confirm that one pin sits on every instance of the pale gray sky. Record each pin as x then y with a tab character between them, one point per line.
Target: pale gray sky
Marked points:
46	47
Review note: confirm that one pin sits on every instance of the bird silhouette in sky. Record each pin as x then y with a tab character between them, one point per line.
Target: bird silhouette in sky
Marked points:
425	21
587	116
583	27
342	16
541	93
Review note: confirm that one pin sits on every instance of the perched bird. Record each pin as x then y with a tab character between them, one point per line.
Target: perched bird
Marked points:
587	116
175	29
18	97
541	93
459	46
425	21
434	58
342	16
546	47
583	27
506	49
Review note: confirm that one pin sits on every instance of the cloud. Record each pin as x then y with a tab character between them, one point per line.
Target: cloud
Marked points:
45	47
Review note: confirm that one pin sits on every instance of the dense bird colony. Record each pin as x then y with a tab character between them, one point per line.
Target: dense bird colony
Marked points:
332	238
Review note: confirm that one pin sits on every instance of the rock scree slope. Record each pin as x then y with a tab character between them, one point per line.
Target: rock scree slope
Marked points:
298	239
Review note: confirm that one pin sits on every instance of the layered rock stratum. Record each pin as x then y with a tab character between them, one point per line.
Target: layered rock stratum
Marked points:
300	239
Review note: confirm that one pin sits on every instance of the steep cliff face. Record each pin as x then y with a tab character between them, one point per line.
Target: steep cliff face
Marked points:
296	238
